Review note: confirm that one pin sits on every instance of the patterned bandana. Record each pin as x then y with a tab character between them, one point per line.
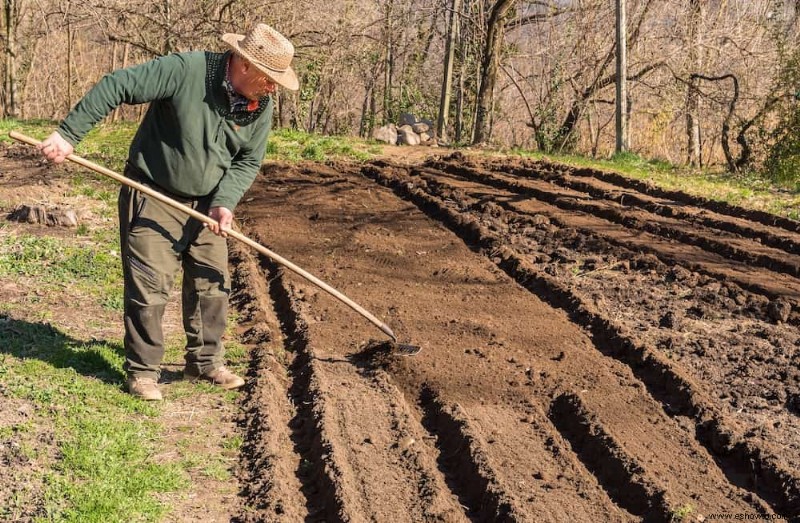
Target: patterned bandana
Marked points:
238	102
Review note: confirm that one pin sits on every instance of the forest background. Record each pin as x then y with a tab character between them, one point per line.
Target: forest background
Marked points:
710	82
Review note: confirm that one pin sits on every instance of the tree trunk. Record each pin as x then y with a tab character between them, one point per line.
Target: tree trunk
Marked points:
115	114
388	64
366	124
459	123
726	122
693	95
447	83
69	65
491	58
10	80
622	77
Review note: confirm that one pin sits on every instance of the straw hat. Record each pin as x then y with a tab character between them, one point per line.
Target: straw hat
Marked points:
269	51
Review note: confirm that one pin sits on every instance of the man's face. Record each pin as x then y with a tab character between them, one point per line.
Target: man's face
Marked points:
249	81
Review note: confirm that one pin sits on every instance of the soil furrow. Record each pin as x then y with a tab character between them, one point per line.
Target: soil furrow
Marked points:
749	254
645	187
596	235
270	486
677	392
618	472
344	447
319	469
433	290
477	452
463	458
668	307
766	235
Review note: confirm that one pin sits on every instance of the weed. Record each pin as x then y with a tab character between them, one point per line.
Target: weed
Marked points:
216	470
233	443
681	513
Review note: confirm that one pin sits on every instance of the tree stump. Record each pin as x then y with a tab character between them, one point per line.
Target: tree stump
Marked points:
40	214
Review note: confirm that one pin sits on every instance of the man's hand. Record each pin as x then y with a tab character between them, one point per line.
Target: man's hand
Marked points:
55	148
225	219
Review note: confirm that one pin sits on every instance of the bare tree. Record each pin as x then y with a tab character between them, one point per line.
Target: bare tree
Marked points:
692	96
622	80
495	32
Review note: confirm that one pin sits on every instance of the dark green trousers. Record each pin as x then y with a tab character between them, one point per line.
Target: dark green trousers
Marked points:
158	241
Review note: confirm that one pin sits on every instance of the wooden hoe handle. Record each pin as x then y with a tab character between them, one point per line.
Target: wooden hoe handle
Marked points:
241	237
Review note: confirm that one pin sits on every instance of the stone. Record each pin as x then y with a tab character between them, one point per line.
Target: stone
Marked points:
779	310
387	134
405	137
407	119
421	127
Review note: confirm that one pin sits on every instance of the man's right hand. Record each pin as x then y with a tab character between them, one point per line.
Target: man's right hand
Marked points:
55	148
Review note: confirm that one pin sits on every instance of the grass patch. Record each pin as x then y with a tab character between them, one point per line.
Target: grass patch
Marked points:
56	262
293	146
105	437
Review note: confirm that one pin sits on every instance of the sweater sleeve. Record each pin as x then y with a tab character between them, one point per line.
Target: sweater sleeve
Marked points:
245	166
154	80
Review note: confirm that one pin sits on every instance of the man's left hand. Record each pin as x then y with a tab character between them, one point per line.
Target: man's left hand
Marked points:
224	218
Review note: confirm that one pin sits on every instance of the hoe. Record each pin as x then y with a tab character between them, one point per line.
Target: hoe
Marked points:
376	347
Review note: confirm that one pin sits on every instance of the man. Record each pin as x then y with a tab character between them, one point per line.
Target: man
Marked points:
201	142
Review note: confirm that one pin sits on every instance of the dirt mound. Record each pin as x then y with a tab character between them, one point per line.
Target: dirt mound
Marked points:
594	351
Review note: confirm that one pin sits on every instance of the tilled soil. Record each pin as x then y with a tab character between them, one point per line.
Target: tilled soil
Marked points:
594	349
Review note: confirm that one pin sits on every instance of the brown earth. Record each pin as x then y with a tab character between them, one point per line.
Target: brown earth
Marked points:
592	351
594	348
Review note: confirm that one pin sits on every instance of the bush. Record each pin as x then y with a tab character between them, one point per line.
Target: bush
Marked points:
782	165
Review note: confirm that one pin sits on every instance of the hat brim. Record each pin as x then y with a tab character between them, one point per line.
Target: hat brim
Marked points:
287	78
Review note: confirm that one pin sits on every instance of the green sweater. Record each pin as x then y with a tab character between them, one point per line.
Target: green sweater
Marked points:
189	143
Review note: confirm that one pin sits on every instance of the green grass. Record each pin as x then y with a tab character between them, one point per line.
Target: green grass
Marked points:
294	146
58	263
105	437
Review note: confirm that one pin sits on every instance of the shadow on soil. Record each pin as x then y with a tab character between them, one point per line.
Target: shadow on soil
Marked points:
42	341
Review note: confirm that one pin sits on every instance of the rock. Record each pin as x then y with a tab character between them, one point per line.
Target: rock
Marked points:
539	219
793	402
387	134
424	137
591	263
407	137
644	262
779	310
678	273
421	127
407	119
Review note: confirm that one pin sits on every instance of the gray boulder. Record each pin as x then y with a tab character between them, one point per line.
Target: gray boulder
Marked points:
407	119
421	127
406	136
387	134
